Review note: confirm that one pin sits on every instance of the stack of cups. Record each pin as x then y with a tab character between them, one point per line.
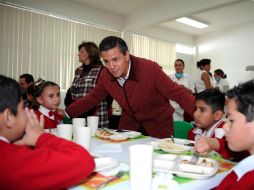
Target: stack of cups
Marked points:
141	165
82	134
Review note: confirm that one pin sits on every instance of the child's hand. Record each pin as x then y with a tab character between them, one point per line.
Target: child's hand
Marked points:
61	112
33	130
206	144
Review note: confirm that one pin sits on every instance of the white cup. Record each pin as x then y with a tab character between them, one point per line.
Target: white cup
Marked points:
219	133
65	131
83	136
141	164
93	122
79	122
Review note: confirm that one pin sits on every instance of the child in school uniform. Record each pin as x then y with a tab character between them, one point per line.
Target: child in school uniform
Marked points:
209	106
47	95
208	117
240	136
30	158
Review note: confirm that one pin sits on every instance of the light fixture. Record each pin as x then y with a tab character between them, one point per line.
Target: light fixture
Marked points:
192	22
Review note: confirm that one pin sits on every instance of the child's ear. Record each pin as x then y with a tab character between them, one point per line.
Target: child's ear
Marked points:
39	100
218	115
9	118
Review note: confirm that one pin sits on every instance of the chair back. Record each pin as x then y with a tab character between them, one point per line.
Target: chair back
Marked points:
181	129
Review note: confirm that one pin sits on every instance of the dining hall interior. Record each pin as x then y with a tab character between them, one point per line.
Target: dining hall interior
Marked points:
42	38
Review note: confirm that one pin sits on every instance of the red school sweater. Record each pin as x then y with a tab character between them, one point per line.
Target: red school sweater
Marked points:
54	163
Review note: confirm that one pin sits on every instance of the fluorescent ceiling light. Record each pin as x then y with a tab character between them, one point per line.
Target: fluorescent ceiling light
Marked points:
192	22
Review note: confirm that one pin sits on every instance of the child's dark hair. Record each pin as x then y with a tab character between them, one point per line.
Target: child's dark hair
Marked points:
38	89
10	93
244	97
212	97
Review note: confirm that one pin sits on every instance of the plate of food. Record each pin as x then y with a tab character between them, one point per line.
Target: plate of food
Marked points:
181	166
116	134
180	145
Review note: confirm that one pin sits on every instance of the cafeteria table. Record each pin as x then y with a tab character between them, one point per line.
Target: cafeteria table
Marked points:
119	151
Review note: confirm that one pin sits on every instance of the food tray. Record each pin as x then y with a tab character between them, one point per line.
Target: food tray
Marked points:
174	165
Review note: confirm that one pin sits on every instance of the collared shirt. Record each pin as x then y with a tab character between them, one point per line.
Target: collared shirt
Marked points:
4	139
243	167
45	112
207	133
122	80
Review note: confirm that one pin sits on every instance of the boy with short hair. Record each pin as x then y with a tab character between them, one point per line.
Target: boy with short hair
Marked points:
240	136
30	158
209	106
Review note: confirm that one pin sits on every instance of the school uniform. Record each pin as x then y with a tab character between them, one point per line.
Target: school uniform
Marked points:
224	150
54	163
51	119
196	132
241	177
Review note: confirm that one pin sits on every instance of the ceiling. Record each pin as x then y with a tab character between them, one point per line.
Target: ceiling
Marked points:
144	14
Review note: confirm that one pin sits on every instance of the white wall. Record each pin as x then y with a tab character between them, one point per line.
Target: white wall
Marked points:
230	50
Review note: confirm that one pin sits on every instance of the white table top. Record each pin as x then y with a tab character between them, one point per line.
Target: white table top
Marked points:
120	152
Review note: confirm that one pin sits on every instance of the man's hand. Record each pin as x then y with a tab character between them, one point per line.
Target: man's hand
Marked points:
33	130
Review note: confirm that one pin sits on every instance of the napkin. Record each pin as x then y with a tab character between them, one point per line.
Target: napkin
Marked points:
107	148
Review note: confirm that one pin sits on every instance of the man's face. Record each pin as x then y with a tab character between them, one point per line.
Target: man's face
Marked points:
116	62
23	84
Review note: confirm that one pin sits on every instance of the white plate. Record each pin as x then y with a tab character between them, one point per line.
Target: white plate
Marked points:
105	163
173	166
117	136
177	147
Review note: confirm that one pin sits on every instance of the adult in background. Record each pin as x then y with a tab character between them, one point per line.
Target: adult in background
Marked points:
140	87
85	80
185	80
220	80
204	80
25	81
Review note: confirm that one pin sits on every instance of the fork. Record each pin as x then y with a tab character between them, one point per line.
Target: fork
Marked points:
195	157
172	138
117	176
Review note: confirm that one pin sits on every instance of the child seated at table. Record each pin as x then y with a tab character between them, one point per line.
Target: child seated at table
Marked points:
209	106
240	136
30	158
47	95
208	116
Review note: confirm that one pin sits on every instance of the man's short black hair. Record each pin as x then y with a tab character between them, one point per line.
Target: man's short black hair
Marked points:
10	93
244	97
111	42
28	78
212	97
